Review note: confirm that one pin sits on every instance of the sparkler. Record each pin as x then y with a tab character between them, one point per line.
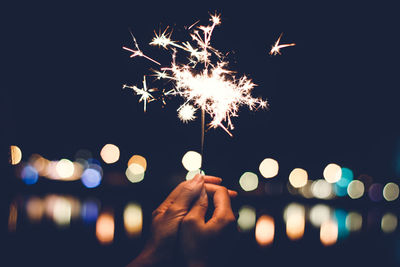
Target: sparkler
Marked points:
276	48
209	86
143	92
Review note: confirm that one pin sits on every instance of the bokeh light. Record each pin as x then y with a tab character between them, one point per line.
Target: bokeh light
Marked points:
269	168
91	177
29	175
340	217
90	211
306	190
298	177
65	168
322	189
265	230
319	214
329	233
135	173
375	192
34	209
62	211
191	174
16	155
247	218
138	160
105	227
191	161
389	223
248	181
110	153
391	191
294	217
133	219
39	163
354	222
355	189
332	173
12	217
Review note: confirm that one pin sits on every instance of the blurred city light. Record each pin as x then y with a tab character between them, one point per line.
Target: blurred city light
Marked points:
294	217
306	190
105	227
247	218
298	177
35	209
354	222
65	168
265	230
135	173
319	214
340	186
191	174
340	217
248	181
269	168
90	211
329	233
389	223
355	189
391	191
62	211
332	173
138	160
12	217
133	219
191	161
29	175
39	163
375	192
322	189
110	153
91	178
16	155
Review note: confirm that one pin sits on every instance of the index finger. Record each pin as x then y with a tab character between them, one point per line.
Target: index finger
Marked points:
223	213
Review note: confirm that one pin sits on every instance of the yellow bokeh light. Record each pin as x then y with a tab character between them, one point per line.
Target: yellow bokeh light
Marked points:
322	189
391	191
39	163
332	173
35	209
191	174
319	214
191	161
133	219
265	230
110	153
354	222
298	178
62	210
16	155
135	173
355	189
247	218
295	226
65	168
329	233
138	160
389	223
12	217
248	181
105	227
269	168
306	190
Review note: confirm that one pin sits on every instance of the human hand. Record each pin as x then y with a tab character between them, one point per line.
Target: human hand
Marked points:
168	217
200	240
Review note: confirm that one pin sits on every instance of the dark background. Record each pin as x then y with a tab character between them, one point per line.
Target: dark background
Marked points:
333	98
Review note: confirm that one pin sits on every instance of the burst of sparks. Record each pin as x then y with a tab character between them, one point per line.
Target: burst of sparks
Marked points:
138	52
277	47
144	92
186	113
209	86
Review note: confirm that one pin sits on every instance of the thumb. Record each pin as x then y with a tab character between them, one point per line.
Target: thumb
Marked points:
199	208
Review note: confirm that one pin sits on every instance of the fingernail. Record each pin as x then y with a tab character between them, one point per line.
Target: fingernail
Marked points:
198	178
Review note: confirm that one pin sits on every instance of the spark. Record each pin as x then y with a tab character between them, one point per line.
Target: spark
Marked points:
276	48
186	113
209	86
144	92
138	52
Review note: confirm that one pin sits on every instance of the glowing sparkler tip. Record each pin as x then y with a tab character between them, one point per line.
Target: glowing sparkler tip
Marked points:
186	113
276	47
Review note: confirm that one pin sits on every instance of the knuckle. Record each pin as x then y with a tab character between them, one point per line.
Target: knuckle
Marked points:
155	213
189	221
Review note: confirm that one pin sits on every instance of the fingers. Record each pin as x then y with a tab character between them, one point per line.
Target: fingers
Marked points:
212	188
212	179
223	214
189	192
199	209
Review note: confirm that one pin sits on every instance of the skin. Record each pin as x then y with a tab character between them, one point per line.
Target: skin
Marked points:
183	212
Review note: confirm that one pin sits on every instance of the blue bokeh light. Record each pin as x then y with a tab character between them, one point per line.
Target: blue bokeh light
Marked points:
90	211
91	178
29	175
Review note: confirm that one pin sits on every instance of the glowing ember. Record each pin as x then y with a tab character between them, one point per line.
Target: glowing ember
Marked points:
143	92
276	48
186	113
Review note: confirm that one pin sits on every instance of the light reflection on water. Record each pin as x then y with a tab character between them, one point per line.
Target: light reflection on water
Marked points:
66	211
